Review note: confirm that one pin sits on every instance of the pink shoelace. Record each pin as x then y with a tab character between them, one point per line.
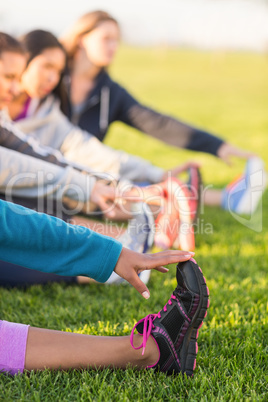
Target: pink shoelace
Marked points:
148	322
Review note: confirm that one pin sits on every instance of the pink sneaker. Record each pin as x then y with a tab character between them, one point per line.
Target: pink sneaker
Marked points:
181	198
167	226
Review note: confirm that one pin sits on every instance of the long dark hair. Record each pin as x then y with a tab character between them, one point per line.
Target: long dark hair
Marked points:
35	42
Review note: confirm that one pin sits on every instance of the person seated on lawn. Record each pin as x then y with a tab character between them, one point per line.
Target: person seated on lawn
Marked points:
37	113
166	341
96	101
43	186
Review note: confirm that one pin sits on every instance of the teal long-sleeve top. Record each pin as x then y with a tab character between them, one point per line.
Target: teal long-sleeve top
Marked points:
48	244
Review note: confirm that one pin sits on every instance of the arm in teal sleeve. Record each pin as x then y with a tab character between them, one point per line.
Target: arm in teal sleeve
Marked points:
48	244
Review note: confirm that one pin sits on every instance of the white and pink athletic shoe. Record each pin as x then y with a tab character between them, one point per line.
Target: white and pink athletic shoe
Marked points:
139	237
181	199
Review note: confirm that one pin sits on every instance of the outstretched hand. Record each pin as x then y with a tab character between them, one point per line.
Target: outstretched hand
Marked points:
131	263
106	197
226	151
180	169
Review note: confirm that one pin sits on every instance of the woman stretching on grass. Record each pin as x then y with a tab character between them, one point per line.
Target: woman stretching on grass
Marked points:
96	101
169	338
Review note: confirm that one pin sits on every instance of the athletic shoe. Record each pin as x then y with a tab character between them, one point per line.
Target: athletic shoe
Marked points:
175	327
167	226
194	185
186	241
180	195
174	223
138	237
242	196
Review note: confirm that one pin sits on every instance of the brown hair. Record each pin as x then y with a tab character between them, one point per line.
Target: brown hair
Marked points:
85	24
10	44
35	42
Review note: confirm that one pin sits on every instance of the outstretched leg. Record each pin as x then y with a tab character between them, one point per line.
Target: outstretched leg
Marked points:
56	349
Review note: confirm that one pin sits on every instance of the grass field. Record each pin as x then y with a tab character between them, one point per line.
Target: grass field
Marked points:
227	94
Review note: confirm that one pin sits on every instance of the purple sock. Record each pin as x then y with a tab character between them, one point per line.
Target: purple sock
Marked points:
13	339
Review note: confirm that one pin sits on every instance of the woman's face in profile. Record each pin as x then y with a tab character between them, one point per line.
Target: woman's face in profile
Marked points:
101	44
11	68
43	73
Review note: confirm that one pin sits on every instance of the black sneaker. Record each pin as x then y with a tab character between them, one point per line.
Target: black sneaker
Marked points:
175	327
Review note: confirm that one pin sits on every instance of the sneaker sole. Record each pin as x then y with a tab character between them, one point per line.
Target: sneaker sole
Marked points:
144	275
150	222
186	237
197	180
189	349
254	167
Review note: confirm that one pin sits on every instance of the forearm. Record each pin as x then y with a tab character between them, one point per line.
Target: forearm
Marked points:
13	138
172	131
136	169
82	147
48	244
24	176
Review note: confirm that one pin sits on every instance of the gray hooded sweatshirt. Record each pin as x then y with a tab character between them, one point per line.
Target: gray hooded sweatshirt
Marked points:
48	125
23	175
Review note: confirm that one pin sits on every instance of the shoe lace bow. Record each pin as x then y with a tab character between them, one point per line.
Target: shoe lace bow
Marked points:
148	326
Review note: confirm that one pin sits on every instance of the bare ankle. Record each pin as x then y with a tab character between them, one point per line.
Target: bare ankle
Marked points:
151	352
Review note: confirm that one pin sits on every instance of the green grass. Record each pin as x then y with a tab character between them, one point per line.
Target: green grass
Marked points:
228	94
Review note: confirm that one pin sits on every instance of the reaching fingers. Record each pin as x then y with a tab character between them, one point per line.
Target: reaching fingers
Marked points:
226	151
226	159
166	257
135	281
243	154
106	207
164	270
122	199
156	261
130	263
185	166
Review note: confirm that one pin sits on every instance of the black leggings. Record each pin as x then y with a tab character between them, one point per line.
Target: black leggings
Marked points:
12	275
